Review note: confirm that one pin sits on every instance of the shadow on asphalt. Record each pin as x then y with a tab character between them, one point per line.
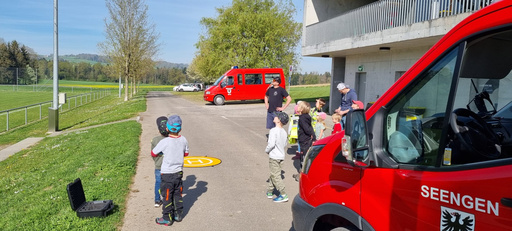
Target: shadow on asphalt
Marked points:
292	151
236	102
193	194
161	96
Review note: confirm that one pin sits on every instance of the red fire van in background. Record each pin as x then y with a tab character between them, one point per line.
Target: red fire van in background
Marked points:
447	166
243	84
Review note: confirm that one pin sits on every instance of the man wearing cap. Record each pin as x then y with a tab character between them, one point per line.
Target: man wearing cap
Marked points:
274	100
347	96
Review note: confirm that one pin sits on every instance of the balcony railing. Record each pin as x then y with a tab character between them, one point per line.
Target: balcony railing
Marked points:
386	14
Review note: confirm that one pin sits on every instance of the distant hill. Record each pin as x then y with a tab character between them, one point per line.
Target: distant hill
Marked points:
93	58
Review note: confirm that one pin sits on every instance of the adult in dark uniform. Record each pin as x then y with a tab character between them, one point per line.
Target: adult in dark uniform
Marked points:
274	100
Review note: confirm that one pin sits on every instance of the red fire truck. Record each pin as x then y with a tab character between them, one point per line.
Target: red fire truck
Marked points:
447	166
243	84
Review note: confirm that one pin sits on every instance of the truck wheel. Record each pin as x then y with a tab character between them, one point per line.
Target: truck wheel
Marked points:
181	90
195	90
218	100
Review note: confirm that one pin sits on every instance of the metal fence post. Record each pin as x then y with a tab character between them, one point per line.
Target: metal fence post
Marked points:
7	120
26	115
40	106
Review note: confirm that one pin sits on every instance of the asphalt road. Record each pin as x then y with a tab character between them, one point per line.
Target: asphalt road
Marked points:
229	196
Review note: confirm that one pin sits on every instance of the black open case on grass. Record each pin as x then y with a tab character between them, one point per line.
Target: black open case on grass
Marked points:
86	209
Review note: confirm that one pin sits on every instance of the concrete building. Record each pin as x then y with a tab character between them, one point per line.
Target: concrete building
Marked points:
372	43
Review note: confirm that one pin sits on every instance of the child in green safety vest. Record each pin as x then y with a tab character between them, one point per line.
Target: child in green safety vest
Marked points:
314	111
293	127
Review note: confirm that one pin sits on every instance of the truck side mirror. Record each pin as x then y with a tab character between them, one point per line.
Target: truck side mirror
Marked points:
222	84
354	145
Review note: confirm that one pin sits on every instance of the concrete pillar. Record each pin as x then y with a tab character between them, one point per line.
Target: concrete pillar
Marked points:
53	119
338	76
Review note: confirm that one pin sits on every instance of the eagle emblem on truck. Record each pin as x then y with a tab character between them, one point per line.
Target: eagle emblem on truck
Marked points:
453	220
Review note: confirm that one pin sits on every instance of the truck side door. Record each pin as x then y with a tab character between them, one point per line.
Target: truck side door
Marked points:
254	88
229	88
428	179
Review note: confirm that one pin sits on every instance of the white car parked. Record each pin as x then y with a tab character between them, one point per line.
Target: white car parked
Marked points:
186	87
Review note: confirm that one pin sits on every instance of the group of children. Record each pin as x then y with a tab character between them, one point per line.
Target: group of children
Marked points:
169	150
308	125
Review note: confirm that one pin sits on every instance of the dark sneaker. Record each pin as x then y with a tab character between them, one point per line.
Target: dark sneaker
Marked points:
162	221
296	157
178	217
281	198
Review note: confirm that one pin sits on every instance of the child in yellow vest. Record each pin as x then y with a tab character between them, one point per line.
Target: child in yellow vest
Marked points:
314	111
293	134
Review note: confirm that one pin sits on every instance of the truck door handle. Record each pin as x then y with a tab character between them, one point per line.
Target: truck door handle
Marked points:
506	202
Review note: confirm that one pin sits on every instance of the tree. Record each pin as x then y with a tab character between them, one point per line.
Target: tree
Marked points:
249	34
14	56
193	73
131	40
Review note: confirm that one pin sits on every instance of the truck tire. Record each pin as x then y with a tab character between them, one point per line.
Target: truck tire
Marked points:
218	100
181	90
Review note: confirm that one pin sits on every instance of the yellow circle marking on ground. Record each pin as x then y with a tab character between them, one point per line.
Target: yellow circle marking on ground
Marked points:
200	161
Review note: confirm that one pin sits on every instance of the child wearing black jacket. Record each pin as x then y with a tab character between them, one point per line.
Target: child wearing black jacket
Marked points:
306	132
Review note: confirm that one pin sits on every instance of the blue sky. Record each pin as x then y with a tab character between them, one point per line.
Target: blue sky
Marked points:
81	26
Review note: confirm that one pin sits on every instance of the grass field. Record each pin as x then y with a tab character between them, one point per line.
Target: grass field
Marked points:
33	113
310	93
108	109
19	99
33	182
68	83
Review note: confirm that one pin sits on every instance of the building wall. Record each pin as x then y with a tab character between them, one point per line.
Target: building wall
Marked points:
338	76
321	10
381	70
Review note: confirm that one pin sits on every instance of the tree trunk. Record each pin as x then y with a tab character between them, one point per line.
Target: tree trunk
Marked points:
126	73
134	89
126	88
131	87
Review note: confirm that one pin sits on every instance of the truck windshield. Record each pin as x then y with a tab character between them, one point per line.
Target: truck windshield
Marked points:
218	81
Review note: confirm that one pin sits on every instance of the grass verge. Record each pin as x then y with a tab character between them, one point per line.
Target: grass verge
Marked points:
108	109
33	182
14	99
310	93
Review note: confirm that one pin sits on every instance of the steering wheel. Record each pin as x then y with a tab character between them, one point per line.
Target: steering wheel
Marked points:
475	135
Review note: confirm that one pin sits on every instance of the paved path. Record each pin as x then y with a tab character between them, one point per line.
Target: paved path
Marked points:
229	196
28	142
13	149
